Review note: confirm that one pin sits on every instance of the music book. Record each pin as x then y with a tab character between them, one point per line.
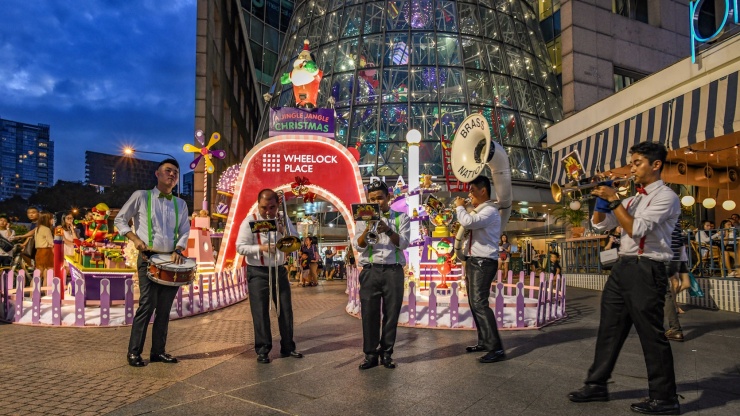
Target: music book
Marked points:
573	166
366	212
434	206
263	226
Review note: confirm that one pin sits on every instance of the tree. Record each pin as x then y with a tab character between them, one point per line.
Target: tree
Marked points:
15	208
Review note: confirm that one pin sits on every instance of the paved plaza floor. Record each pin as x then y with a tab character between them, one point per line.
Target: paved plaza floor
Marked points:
83	371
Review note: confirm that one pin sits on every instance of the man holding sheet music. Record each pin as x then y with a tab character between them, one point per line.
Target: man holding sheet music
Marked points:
262	255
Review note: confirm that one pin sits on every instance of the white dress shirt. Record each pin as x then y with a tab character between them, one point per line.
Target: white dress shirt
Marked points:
163	220
655	216
247	244
384	251
485	231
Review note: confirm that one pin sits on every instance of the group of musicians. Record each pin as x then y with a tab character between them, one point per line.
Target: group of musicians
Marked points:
634	293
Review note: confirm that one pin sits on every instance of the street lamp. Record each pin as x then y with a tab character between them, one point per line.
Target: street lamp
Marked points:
130	151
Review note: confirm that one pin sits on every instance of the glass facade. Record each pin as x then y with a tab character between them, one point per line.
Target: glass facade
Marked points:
266	21
26	158
392	66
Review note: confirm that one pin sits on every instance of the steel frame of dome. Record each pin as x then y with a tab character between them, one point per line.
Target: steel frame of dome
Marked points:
391	66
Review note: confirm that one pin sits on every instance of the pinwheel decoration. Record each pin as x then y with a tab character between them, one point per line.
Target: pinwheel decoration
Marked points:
205	152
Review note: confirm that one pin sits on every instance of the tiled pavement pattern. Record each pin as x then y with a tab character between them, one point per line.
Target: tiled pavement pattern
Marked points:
83	371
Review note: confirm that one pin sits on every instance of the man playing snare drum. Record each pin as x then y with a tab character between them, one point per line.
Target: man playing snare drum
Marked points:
162	225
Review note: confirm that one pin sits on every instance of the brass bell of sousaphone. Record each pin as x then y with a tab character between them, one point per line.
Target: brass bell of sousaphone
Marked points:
472	149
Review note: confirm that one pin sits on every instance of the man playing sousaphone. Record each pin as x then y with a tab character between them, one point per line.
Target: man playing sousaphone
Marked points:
162	225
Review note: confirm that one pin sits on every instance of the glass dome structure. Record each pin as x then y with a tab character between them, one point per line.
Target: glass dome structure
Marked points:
392	66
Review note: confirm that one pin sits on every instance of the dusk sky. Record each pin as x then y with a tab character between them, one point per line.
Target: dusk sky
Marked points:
102	74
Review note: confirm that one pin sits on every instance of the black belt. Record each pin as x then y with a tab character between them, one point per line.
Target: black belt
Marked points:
643	258
482	259
380	266
262	267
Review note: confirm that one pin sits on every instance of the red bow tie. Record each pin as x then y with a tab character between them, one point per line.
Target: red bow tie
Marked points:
641	190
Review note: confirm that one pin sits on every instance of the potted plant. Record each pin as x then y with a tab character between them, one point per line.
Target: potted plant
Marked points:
572	217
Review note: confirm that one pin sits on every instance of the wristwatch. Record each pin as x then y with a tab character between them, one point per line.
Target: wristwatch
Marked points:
389	232
614	204
178	251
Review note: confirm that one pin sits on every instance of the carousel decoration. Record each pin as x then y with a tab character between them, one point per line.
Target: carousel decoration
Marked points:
225	190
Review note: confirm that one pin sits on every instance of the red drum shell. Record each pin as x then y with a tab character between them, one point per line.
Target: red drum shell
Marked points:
164	272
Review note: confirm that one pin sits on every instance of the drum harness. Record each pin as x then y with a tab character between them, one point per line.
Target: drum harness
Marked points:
149	221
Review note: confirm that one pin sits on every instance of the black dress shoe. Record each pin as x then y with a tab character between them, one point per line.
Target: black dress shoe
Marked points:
162	358
369	362
475	348
388	362
657	407
590	393
263	358
493	356
294	354
135	360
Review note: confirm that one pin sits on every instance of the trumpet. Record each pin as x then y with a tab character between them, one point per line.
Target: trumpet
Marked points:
290	242
575	191
468	201
372	235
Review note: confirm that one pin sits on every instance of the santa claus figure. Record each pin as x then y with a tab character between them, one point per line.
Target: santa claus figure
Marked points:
305	78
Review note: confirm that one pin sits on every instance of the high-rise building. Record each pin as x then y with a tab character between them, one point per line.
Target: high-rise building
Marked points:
188	180
600	47
228	96
266	23
107	170
27	158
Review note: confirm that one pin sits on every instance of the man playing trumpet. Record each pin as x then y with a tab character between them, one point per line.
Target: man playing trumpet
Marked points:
261	254
636	289
381	278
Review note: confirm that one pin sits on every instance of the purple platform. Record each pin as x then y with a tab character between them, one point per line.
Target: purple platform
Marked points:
92	279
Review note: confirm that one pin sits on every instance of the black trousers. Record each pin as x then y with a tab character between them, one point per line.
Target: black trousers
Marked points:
153	297
259	303
635	294
479	274
380	283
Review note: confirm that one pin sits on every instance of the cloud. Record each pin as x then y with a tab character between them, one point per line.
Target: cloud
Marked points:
101	74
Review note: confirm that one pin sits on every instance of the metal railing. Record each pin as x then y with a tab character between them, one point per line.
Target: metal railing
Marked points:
707	251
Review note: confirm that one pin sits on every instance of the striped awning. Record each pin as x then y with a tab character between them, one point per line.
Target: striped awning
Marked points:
704	113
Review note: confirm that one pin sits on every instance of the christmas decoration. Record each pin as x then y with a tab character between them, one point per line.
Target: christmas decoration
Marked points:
205	152
305	77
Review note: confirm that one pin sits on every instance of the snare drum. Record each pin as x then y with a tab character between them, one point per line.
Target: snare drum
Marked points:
6	245
163	271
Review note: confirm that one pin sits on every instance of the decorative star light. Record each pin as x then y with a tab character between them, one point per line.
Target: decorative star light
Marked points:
205	152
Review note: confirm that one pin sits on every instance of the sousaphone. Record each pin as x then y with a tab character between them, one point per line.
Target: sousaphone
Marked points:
472	149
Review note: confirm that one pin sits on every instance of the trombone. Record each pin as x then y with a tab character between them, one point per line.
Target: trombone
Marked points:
575	191
290	242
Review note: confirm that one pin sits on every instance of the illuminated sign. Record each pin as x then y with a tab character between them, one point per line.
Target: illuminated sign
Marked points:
694	22
318	121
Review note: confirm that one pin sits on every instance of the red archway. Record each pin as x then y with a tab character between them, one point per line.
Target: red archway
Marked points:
274	163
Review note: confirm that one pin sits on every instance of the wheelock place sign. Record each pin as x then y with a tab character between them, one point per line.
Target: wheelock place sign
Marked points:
731	11
294	163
